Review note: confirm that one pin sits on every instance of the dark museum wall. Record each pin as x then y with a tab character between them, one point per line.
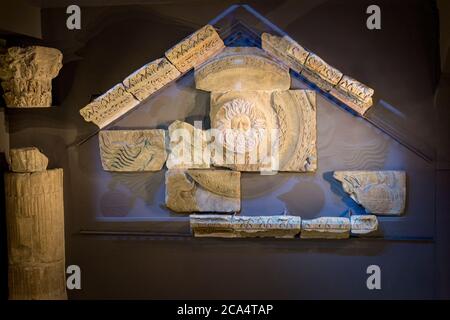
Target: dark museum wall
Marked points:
403	60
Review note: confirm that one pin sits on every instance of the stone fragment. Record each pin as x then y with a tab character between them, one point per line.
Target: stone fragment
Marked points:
132	150
195	49
242	69
27	160
233	226
150	78
35	234
379	192
27	74
109	106
353	93
265	130
286	50
321	73
188	147
363	225
296	117
203	191
326	228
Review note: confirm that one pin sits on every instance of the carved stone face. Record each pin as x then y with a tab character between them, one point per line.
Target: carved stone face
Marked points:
241	125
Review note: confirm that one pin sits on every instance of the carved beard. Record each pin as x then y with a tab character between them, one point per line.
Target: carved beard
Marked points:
241	127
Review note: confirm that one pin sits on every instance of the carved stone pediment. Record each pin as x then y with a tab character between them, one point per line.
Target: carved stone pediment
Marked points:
203	191
132	150
242	69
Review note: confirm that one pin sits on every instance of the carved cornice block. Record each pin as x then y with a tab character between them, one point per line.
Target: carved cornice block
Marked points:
326	228
27	75
27	160
109	106
363	225
150	78
353	93
286	50
321	73
132	150
379	192
195	49
203	191
242	69
226	226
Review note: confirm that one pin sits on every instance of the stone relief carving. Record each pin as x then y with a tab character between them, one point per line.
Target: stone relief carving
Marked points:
27	74
132	150
379	192
150	78
265	130
188	147
109	106
242	69
353	93
286	50
233	226
203	191
195	49
363	225
27	160
321	73
326	228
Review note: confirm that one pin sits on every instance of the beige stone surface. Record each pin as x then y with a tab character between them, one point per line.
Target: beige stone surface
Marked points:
242	69
132	150
195	49
353	93
296	116
234	226
203	191
286	50
326	228
27	160
109	106
35	233
265	130
363	225
189	147
150	78
27	74
321	73
379	192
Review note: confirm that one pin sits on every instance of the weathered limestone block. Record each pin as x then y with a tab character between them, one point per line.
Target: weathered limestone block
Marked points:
326	228
27	160
150	78
188	147
109	106
35	227
203	191
27	74
286	50
321	73
242	69
195	49
353	93
296	117
379	192
232	226
363	225
265	130
132	150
